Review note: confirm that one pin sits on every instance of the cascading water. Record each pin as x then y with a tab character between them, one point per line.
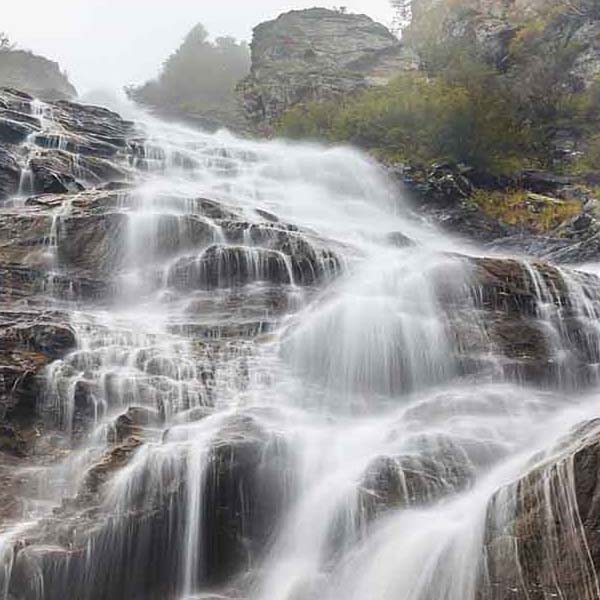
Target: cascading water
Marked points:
295	390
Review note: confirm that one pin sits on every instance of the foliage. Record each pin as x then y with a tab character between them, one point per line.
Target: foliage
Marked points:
426	119
199	75
530	211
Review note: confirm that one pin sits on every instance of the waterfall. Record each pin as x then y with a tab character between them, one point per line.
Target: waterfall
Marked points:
288	385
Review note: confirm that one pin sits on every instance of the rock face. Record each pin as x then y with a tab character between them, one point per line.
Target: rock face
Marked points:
34	74
542	531
317	54
535	316
491	25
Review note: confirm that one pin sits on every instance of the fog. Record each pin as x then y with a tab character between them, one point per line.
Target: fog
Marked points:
112	43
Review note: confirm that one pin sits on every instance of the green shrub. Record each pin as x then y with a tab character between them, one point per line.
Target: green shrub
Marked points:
422	118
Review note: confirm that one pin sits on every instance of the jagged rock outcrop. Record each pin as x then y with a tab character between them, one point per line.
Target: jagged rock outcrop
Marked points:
317	54
34	74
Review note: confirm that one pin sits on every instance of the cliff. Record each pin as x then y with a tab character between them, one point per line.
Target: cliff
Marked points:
317	54
34	74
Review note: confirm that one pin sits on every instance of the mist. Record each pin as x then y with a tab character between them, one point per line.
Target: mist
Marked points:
113	43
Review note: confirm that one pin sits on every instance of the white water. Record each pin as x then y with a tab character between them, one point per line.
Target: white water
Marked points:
361	369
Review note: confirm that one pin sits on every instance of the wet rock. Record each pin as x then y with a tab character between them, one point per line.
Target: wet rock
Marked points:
28	343
506	285
20	117
116	458
84	401
47	180
94	121
214	210
231	266
541	536
529	316
247	487
443	193
134	421
93	242
87	146
244	491
10	174
441	467
57	172
10	440
14	132
399	240
15	100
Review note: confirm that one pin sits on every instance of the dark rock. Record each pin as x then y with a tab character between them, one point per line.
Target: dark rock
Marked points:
57	172
95	122
267	215
520	312
10	174
11	441
542	531
543	182
438	466
14	132
115	459
231	266
245	488
28	343
133	422
94	242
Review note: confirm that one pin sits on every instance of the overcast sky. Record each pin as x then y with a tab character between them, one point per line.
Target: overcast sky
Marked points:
117	42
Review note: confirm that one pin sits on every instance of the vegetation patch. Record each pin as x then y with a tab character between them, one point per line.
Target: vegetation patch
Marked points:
420	117
534	212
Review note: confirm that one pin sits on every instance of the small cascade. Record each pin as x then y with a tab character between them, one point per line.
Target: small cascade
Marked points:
567	311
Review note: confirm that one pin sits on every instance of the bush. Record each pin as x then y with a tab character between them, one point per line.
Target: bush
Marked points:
418	117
